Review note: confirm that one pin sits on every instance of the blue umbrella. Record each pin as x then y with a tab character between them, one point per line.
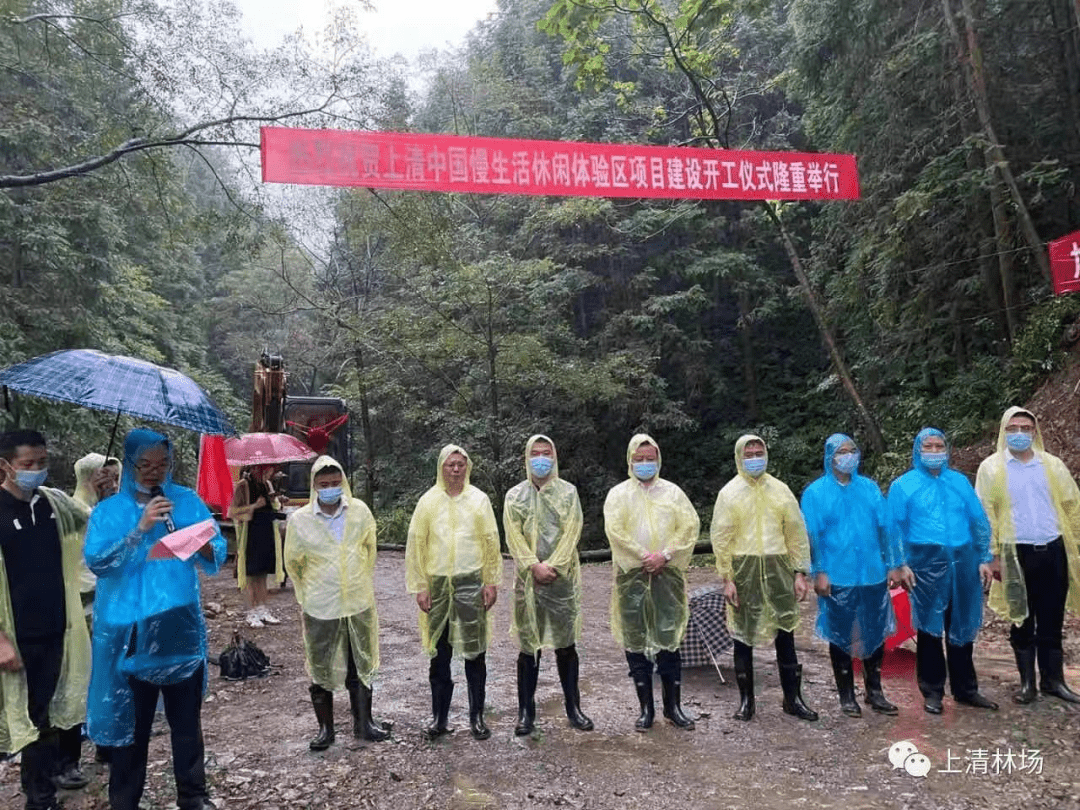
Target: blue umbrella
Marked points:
119	384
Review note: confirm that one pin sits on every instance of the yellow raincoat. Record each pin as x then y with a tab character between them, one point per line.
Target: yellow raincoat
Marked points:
760	541
334	584
241	497
85	494
452	551
68	705
1008	598
544	525
649	611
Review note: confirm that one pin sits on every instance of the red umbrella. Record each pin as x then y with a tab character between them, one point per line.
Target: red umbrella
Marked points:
904	629
253	449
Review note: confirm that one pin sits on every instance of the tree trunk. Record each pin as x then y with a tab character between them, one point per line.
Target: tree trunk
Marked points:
749	367
970	54
1006	259
877	440
366	429
1067	33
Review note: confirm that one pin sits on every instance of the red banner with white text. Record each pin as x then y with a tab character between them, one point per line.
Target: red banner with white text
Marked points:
424	162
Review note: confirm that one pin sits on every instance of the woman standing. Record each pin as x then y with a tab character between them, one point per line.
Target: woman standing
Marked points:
258	544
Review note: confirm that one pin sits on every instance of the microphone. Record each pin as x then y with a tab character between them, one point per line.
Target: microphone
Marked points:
155	492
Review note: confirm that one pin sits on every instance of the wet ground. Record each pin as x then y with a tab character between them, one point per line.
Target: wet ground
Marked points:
257	732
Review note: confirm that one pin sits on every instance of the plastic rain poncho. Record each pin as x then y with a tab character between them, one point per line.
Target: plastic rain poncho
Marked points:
335	585
85	494
649	612
544	525
452	551
1009	598
68	705
759	539
850	544
944	536
148	621
241	497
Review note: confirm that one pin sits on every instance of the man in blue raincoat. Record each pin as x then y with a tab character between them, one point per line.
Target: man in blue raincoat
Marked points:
149	632
853	562
945	536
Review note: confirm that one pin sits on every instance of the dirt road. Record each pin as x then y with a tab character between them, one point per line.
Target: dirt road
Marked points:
257	732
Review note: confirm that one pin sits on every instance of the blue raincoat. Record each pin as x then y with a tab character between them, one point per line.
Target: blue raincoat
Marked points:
945	536
148	620
851	545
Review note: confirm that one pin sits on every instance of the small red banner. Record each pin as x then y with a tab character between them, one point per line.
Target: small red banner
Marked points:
1065	263
423	162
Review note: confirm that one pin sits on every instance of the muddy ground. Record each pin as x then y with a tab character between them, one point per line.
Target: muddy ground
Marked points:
257	732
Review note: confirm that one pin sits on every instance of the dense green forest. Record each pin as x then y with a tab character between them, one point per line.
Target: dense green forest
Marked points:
131	221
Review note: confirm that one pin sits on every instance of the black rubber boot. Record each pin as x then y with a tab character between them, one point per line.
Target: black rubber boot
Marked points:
875	698
528	670
1025	663
323	703
744	678
364	727
566	659
441	693
1052	676
845	681
643	686
476	678
671	691
791	682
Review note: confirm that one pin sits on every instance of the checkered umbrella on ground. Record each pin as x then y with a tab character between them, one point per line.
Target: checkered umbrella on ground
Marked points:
707	637
119	384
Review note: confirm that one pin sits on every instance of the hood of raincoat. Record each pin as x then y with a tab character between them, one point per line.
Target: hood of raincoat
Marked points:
85	468
916	448
635	442
136	443
321	463
832	444
740	445
444	454
1037	442
539	437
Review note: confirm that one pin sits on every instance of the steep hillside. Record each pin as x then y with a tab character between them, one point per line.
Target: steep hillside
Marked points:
1057	406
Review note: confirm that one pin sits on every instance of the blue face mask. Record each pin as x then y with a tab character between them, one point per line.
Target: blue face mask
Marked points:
933	461
755	466
644	470
846	463
1019	441
540	466
29	480
329	495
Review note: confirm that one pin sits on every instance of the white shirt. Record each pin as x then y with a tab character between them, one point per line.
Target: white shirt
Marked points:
336	522
1033	513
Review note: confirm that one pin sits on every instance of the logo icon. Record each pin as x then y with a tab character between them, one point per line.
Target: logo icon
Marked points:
905	755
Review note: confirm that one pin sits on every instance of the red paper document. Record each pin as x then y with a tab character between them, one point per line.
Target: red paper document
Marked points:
182	543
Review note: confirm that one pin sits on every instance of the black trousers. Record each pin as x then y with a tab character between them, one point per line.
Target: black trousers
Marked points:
183	710
439	668
668	665
41	662
785	649
1046	577
932	665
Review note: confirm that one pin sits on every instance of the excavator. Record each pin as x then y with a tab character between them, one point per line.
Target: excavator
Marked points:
320	422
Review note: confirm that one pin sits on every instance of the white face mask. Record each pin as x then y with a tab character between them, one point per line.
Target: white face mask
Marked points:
329	495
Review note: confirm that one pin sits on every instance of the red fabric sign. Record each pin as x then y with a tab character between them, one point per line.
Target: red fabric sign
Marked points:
423	162
1065	263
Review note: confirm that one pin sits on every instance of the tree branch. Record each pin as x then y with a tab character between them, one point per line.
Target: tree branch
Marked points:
183	138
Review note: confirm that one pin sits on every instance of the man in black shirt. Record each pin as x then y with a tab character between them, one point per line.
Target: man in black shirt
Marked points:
44	643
